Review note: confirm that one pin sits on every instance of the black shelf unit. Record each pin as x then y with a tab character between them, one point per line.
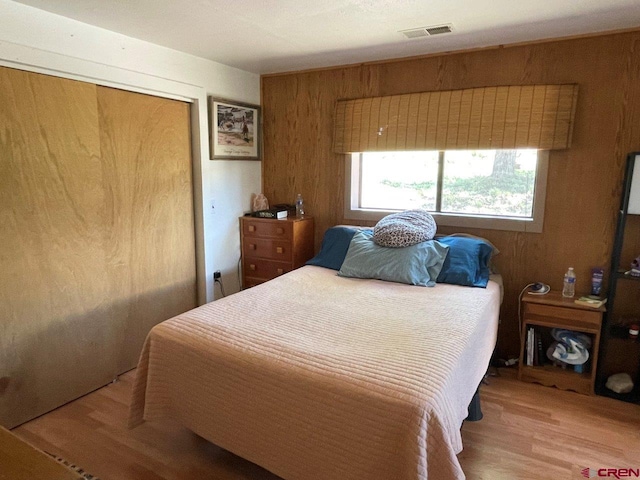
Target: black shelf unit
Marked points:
618	278
621	274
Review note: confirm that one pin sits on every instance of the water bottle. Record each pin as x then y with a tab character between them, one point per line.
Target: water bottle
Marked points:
299	206
569	287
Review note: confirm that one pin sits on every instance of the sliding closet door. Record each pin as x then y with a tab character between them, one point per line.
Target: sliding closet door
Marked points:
53	295
96	234
150	244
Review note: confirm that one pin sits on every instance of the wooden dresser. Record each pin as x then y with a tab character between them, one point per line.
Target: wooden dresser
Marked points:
273	247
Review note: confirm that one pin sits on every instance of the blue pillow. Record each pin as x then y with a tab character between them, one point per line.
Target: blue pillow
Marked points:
418	264
334	247
467	262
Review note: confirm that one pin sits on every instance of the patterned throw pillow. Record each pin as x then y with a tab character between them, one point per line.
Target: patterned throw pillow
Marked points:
404	229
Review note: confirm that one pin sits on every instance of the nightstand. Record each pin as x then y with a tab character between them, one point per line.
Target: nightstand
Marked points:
544	312
273	247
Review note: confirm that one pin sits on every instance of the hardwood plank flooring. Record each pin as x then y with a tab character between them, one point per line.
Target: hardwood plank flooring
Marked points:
528	432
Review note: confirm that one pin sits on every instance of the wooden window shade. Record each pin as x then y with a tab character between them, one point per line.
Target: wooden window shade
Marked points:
535	116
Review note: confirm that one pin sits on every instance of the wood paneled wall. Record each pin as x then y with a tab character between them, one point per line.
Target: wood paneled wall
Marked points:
96	236
584	183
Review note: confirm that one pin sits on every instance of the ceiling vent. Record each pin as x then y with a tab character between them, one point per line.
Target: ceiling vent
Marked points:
428	31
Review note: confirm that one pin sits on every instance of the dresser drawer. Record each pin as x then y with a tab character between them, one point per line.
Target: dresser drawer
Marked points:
266	269
569	317
267	248
269	228
252	282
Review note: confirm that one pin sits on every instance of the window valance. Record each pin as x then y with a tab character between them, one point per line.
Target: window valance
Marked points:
531	116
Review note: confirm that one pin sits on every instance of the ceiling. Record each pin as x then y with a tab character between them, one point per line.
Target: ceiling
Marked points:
266	36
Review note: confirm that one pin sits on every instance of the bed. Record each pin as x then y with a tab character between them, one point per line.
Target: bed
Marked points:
316	376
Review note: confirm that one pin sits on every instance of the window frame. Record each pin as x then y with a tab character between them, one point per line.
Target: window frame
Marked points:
352	210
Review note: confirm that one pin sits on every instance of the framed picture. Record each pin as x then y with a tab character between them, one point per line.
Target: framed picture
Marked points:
234	130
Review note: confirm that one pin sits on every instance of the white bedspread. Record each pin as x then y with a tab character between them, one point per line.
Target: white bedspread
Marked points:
319	377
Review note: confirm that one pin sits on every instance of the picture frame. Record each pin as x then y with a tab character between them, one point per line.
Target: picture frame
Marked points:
235	130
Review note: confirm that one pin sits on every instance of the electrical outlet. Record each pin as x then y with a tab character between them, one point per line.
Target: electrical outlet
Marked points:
216	274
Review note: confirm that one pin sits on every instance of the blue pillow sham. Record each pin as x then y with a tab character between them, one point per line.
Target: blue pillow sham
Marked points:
418	264
467	263
335	244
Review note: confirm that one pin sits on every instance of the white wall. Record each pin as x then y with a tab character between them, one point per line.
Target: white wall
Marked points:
40	41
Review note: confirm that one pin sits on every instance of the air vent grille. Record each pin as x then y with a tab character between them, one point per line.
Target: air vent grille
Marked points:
438	30
427	31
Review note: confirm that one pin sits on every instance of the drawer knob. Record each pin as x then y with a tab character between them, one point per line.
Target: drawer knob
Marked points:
280	230
252	246
279	250
252	267
252	228
280	271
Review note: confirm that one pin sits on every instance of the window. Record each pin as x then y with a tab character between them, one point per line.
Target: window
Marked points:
501	189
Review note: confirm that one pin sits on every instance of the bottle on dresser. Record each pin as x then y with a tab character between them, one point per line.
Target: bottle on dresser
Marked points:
569	286
299	206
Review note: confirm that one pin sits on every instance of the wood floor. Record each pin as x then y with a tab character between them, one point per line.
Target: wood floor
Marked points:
528	432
